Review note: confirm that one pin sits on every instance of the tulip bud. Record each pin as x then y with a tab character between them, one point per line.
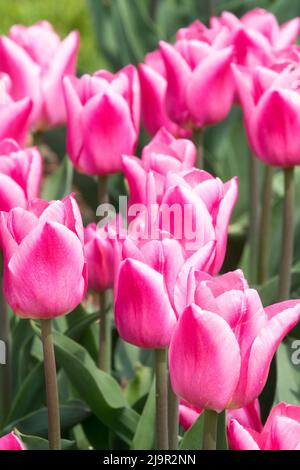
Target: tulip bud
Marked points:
103	119
224	341
20	175
280	432
99	254
11	442
37	60
44	267
14	115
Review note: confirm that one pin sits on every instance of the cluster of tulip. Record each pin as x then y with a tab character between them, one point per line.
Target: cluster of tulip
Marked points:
164	267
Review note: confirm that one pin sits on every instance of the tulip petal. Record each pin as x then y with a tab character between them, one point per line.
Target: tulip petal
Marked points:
210	91
178	75
38	267
200	370
239	438
108	133
262	352
276	122
143	314
62	63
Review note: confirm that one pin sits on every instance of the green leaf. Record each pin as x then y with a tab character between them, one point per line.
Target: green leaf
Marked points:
30	394
145	432
38	443
98	389
58	185
79	327
288	381
192	439
97	433
36	423
139	385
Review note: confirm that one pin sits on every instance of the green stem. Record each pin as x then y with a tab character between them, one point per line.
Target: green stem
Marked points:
287	245
162	441
211	7
265	226
5	369
102	190
198	138
105	327
51	386
104	334
173	418
210	430
254	214
153	8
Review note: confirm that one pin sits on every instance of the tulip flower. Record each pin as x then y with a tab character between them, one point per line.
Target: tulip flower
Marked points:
224	341
162	155
280	432
99	257
206	205
271	103
14	115
43	252
103	119
11	442
201	88
261	26
153	80
36	60
45	276
20	175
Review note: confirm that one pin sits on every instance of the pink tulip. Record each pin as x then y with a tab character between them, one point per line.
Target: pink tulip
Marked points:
163	154
44	266
20	175
11	442
256	34
14	115
271	105
281	431
103	119
153	82
36	60
99	254
200	88
206	205
149	275
248	416
224	341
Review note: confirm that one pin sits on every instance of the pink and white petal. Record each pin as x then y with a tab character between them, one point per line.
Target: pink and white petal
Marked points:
200	372
49	259
239	438
143	313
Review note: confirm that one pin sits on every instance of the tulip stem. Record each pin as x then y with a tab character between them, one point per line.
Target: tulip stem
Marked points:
198	138
287	245
211	7
104	335
51	386
102	189
173	418
254	215
265	225
162	441
105	330
210	430
5	369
